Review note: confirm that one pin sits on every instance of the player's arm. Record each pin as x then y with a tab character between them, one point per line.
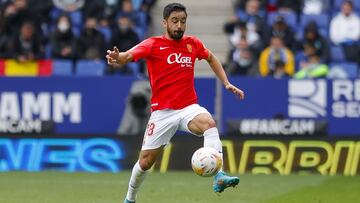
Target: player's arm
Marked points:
114	57
220	73
139	51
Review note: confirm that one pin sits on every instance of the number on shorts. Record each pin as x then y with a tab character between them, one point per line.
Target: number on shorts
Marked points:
151	127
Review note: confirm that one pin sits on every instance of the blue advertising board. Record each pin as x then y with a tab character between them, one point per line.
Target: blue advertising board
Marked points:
76	105
336	101
91	155
113	153
93	105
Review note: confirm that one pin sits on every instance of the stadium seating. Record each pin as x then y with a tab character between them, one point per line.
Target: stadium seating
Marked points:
290	18
324	32
76	18
90	68
322	20
295	19
47	50
106	31
300	33
62	67
350	69
337	54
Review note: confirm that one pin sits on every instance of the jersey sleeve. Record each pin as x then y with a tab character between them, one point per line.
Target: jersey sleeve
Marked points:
142	50
202	51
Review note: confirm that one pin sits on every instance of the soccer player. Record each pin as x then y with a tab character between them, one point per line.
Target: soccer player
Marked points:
170	61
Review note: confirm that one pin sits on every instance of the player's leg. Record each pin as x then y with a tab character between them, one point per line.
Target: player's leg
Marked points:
161	127
202	123
146	160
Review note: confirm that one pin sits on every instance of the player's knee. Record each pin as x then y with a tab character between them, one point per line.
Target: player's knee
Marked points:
145	164
211	123
201	123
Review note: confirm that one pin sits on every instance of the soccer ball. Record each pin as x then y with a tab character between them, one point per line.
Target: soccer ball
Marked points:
206	162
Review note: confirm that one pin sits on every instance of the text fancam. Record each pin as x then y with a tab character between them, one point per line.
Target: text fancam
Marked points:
277	126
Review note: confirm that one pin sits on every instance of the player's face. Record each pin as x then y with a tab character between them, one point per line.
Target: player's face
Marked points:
346	9
176	24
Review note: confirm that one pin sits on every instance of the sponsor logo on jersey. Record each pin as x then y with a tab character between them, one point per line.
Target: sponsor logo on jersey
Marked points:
178	58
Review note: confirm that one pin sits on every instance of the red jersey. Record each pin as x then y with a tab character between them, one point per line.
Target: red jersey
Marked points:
170	66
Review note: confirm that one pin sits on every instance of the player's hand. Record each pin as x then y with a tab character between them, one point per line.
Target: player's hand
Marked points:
235	90
112	56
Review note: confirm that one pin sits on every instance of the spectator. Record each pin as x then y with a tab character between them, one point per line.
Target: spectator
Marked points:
345	30
289	5
63	41
5	43
241	4
240	31
276	51
41	9
15	14
315	7
37	11
91	41
313	37
94	8
243	60
147	5
279	70
281	29
253	16
3	4
137	4
308	49
102	9
124	37
69	5
312	69
137	17
345	27
27	44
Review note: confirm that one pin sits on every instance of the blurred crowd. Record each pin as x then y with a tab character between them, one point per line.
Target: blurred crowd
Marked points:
270	38
294	38
72	29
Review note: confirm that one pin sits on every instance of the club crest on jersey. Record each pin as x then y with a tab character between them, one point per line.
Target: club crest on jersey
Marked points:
189	47
177	58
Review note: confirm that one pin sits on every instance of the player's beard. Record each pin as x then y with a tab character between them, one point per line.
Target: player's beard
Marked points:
176	34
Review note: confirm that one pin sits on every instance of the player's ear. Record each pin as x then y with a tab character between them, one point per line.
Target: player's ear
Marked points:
164	23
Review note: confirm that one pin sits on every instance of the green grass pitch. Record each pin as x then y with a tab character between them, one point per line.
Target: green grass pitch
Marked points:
174	187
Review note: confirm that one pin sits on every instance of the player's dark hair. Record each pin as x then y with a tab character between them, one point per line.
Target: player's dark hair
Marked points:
168	9
350	3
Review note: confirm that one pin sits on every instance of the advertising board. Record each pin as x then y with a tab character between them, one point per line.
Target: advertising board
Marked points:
117	153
